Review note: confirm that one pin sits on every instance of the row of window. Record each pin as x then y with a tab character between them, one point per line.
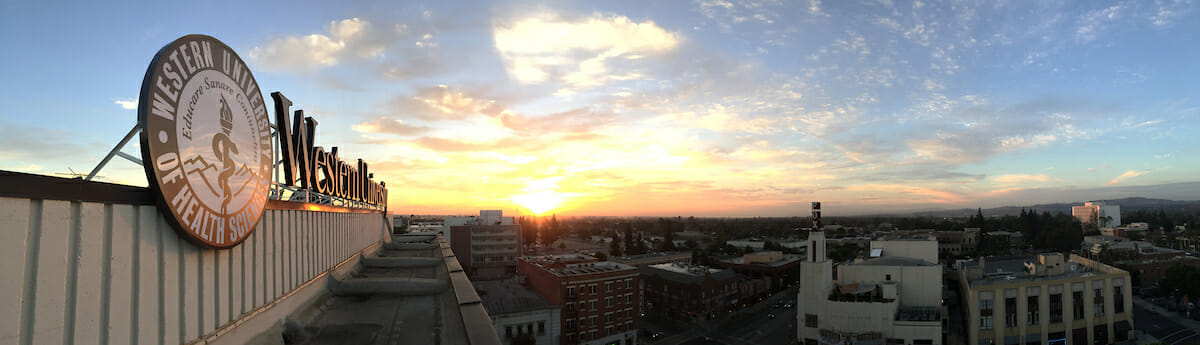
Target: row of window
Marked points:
591	320
608	303
1033	316
608	287
595	334
526	328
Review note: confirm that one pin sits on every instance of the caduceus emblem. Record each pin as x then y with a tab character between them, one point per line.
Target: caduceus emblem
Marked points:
224	149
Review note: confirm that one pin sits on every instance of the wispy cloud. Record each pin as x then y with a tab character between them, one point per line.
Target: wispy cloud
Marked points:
128	104
1127	175
347	38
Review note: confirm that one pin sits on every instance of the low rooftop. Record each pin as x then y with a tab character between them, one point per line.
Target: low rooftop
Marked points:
686	273
895	261
509	296
787	259
1010	269
647	256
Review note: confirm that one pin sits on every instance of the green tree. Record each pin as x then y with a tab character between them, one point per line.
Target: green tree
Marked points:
614	246
601	256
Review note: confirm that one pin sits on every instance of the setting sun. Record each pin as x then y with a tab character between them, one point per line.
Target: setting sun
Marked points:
539	202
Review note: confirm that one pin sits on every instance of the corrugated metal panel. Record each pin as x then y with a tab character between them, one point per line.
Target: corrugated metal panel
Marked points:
84	271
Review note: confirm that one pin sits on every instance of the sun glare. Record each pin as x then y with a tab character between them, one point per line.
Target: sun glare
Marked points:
539	202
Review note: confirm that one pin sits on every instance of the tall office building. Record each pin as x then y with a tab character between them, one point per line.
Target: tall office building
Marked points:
1107	216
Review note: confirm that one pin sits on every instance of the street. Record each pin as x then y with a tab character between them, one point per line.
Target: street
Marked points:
750	326
1166	328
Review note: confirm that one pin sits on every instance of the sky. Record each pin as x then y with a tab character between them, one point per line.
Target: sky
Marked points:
658	108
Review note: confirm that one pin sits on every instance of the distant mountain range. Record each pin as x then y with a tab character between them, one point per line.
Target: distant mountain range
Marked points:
1127	205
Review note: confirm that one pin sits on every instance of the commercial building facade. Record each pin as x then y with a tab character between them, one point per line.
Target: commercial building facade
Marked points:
687	293
488	247
1045	300
778	269
599	299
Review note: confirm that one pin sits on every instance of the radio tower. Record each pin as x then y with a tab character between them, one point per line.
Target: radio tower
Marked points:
816	215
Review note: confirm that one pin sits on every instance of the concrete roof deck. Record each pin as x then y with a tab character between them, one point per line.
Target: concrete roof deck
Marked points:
413	293
1008	270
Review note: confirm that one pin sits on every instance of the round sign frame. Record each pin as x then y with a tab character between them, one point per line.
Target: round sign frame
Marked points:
206	141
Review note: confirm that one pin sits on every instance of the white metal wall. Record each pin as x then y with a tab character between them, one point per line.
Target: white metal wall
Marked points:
92	273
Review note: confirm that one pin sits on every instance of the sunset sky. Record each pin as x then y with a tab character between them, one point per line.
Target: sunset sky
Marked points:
706	108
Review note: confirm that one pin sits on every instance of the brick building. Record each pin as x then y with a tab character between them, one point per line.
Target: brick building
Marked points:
781	270
598	299
688	293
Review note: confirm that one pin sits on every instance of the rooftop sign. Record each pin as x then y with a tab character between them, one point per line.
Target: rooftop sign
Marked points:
206	141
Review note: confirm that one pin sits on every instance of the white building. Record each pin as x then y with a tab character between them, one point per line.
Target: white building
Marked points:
892	299
1107	215
517	311
486	217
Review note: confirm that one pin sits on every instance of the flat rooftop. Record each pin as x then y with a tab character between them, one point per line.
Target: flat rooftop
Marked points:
895	261
508	296
686	273
787	259
1010	269
648	256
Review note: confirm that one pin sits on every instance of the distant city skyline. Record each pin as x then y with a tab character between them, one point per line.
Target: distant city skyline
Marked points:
704	108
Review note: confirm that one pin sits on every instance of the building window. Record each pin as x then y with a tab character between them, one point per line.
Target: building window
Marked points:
508	331
985	314
592	304
1031	310
570	338
1098	302
1100	334
608	302
810	320
592	321
888	277
570	325
570	291
608	331
570	307
608	287
592	334
628	298
1010	312
1118	300
1056	308
1077	304
628	283
541	327
608	318
592	288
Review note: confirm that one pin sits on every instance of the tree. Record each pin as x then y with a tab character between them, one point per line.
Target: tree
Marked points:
1179	281
550	235
691	244
601	256
614	247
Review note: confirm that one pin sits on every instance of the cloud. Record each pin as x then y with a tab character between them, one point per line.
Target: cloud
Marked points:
128	104
347	38
1127	175
1092	23
1020	178
390	126
582	52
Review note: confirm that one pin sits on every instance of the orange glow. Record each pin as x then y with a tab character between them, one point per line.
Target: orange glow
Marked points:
539	202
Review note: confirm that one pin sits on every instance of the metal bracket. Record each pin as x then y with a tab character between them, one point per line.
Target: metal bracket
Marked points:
116	151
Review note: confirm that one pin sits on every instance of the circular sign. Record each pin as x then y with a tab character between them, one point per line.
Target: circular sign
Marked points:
206	141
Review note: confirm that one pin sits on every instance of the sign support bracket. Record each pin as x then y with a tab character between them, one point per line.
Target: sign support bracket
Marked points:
116	151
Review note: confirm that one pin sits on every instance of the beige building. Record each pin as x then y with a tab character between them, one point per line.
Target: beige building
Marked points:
1046	300
891	298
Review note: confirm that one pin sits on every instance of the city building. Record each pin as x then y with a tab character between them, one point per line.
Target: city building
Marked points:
487	246
599	299
1105	216
687	293
517	310
653	258
1013	239
893	297
759	244
949	243
1045	300
778	269
1149	261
